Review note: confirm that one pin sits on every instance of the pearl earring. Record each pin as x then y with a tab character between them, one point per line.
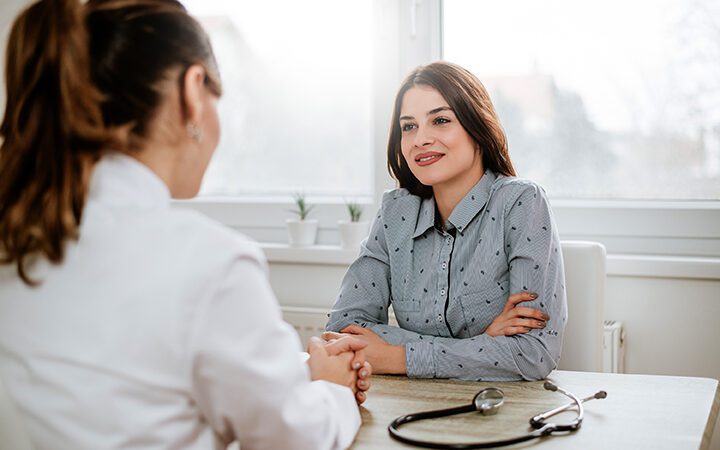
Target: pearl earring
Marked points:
194	132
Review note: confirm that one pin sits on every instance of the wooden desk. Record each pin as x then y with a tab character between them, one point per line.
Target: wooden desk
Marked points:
641	411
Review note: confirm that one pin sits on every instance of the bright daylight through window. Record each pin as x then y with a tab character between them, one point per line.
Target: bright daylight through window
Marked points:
295	113
610	99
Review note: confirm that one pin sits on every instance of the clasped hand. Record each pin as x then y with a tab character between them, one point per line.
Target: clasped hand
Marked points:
341	361
385	358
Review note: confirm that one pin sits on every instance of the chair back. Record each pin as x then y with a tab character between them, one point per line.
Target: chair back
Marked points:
585	288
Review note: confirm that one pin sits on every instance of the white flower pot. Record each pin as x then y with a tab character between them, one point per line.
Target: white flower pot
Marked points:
301	233
352	233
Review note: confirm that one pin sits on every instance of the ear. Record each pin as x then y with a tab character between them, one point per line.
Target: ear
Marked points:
193	90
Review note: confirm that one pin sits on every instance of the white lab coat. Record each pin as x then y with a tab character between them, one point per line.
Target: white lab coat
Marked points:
159	330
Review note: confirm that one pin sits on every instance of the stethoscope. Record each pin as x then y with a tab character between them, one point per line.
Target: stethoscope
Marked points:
487	402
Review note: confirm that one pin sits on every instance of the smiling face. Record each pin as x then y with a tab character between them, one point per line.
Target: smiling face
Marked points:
438	150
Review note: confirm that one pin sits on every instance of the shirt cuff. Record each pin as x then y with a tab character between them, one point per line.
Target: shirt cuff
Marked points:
419	360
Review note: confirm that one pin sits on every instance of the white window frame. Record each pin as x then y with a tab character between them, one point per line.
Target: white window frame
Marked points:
264	218
408	34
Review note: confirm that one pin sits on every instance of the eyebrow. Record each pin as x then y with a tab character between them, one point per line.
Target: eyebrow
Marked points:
430	113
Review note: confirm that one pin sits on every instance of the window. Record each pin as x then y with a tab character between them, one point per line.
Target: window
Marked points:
296	111
611	99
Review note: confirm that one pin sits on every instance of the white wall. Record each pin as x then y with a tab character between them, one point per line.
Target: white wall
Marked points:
671	324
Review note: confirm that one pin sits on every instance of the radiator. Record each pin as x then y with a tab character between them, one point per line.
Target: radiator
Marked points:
613	347
311	322
306	321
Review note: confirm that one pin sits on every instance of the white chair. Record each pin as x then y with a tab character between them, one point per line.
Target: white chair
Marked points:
585	288
12	431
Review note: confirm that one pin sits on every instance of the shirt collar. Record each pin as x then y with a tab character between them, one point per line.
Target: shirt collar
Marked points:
426	216
464	212
473	202
118	179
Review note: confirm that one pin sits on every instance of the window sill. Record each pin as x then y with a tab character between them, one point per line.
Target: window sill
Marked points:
618	265
315	254
659	228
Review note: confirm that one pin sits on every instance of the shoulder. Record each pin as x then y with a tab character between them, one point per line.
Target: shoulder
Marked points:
209	240
400	199
509	190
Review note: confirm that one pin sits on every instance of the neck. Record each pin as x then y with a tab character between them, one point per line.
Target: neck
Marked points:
447	195
164	161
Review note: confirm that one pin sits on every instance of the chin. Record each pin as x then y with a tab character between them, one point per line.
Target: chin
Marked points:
428	181
184	194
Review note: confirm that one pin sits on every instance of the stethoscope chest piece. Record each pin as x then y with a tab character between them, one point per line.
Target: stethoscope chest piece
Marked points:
488	401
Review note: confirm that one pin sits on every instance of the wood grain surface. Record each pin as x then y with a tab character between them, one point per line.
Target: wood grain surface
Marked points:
641	411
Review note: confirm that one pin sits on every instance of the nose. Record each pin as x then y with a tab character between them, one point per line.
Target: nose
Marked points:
423	137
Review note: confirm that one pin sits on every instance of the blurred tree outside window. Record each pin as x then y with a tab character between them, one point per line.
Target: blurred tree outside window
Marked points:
610	100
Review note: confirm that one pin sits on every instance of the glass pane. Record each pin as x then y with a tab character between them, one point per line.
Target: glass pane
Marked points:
295	113
604	99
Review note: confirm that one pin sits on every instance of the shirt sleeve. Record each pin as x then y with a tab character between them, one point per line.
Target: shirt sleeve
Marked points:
364	295
247	376
535	265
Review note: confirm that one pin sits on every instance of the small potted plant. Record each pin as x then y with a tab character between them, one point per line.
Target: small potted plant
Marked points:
302	231
352	231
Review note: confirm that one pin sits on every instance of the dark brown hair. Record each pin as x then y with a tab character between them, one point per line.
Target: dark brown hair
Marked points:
76	76
471	103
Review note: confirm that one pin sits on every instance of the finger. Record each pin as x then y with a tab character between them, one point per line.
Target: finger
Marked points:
347	358
366	371
363	384
354	329
524	311
509	331
518	298
360	397
359	358
527	323
352	381
331	335
315	345
347	344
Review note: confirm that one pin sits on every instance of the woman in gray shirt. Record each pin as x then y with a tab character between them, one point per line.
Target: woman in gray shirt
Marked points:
467	255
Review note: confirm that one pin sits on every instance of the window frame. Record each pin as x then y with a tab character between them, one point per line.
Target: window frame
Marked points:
408	33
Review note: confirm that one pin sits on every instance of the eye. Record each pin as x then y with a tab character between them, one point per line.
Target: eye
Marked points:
405	127
441	120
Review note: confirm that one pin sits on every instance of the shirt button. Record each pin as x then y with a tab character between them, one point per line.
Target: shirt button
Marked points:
442	292
439	318
444	266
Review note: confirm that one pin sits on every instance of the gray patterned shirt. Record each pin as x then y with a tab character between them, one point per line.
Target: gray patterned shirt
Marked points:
446	287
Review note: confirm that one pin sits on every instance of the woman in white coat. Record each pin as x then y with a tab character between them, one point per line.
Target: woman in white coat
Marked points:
125	323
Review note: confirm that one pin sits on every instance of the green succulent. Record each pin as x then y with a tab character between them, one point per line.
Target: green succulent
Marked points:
355	211
303	209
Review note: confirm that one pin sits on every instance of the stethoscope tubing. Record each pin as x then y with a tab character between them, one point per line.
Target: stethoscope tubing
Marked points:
538	422
547	414
432	414
471	445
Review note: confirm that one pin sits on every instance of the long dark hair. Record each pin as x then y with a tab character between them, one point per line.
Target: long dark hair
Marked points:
471	103
81	79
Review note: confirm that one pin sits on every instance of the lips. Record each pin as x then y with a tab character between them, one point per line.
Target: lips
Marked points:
427	158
